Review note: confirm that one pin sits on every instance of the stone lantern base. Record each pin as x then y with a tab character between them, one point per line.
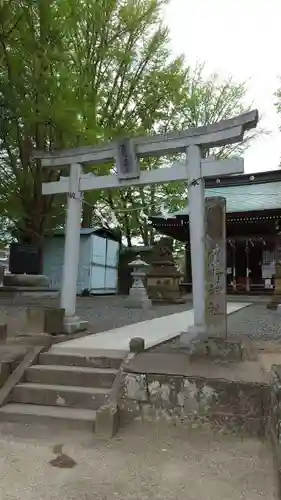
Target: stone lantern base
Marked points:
138	299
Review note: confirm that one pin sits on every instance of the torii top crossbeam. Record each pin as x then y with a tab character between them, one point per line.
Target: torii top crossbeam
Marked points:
217	134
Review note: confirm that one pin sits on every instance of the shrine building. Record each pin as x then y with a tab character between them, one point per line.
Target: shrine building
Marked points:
253	229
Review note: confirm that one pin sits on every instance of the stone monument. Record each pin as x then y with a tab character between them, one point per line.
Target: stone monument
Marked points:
216	313
163	278
215	343
138	295
23	278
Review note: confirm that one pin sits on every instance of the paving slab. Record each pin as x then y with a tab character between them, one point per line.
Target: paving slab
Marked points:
154	331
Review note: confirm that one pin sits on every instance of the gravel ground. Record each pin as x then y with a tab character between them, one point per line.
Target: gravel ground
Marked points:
102	313
255	322
142	463
105	313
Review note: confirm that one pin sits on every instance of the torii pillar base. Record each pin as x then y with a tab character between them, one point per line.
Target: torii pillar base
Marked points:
73	324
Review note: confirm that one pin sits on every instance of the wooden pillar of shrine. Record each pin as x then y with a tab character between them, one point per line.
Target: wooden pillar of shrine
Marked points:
275	299
187	270
234	266
247	266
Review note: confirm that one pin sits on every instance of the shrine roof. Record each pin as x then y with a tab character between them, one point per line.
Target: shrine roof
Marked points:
249	198
243	193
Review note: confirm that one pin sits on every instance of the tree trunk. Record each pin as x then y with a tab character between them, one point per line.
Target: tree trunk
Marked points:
32	233
87	216
127	230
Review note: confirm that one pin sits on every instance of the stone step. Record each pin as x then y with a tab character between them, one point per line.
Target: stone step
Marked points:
71	375
60	395
45	415
97	359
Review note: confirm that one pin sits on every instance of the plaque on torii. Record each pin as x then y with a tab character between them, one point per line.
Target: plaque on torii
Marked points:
126	153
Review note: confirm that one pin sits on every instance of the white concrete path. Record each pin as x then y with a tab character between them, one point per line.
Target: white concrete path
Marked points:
154	331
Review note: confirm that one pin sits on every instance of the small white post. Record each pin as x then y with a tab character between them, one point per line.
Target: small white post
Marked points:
71	251
196	204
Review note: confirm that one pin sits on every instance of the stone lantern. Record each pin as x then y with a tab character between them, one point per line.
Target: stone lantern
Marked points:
138	295
163	278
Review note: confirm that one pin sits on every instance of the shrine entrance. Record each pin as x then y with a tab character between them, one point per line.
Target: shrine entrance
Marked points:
126	153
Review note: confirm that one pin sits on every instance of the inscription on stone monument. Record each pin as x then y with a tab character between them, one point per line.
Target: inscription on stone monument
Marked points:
216	313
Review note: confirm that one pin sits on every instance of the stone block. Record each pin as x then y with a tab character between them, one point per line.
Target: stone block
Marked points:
10	357
218	348
160	394
107	421
231	350
129	410
137	344
135	387
72	325
12	353
26	280
4	372
36	339
163	390
275	396
3	333
41	320
221	397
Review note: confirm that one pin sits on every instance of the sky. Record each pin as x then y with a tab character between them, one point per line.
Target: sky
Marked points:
242	39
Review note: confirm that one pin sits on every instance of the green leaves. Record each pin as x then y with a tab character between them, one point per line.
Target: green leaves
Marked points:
79	72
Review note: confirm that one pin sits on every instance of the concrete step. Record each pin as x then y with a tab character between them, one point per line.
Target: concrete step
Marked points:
97	359
70	375
45	415
60	395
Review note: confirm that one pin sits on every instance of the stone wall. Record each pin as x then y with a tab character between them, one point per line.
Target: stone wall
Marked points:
235	406
10	358
275	420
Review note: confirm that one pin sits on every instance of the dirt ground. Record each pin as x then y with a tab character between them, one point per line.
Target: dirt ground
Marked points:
141	463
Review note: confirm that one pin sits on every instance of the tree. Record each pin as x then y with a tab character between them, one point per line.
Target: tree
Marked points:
78	72
73	72
37	111
129	78
277	95
199	100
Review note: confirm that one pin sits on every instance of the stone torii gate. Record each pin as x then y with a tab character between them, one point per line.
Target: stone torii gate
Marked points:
126	153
